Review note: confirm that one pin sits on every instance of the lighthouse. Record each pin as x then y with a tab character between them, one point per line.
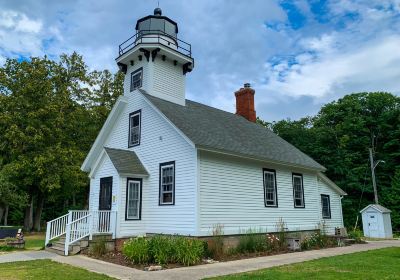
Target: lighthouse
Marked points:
154	59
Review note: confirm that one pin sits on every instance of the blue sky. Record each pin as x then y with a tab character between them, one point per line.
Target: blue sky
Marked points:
297	55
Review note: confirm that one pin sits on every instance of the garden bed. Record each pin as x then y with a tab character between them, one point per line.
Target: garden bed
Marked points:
250	246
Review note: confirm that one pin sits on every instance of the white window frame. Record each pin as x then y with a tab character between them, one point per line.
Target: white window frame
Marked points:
328	199
300	177
132	129
138	199
136	73
164	166
267	202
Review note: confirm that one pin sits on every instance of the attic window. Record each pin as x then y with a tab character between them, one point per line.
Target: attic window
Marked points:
298	190
136	79
326	206
134	129
270	190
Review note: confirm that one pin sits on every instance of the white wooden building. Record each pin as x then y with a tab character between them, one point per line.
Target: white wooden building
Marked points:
376	221
165	164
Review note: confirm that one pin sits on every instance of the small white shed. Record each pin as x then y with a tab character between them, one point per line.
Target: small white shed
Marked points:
376	221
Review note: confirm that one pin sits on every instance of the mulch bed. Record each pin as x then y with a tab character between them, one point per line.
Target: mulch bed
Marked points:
117	257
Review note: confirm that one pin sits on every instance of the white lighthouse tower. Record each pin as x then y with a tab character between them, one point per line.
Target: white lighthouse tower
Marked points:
155	60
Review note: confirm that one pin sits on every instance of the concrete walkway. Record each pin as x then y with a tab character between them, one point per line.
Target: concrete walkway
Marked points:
217	269
200	271
26	256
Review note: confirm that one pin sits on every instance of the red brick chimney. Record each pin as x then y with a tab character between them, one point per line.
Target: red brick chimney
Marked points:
245	103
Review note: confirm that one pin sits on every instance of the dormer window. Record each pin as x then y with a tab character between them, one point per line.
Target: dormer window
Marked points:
134	128
136	79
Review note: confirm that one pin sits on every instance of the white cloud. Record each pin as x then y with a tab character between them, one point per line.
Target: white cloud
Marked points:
353	50
19	22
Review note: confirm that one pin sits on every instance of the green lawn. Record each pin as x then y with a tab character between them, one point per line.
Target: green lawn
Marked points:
34	241
46	270
376	264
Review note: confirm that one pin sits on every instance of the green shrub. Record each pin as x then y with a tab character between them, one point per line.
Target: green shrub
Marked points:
281	234
316	240
98	248
252	241
137	250
162	249
357	235
188	251
273	243
215	246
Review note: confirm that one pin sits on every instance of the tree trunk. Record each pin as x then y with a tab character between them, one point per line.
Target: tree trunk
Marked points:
28	216
1	213
73	200
6	215
38	212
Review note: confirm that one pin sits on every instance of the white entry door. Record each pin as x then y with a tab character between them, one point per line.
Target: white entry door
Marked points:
373	225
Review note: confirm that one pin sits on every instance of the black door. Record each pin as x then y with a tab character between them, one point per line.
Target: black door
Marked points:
105	193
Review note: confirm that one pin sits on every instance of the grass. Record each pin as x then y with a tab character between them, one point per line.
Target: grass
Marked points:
34	241
46	270
375	264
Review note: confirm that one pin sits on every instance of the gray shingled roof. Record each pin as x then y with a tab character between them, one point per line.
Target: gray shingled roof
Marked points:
378	207
126	162
211	128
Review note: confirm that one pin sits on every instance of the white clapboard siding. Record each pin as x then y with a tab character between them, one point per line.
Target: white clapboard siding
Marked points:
336	219
232	194
169	81
104	169
146	81
160	142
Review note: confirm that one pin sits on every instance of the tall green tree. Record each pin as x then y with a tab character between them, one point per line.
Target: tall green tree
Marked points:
49	117
339	137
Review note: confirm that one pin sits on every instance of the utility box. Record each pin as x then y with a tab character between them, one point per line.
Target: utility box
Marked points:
376	221
293	243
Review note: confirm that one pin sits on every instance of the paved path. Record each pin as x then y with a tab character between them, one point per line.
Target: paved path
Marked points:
26	256
196	272
223	268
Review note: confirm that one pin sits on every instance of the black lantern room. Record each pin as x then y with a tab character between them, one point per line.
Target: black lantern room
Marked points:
157	24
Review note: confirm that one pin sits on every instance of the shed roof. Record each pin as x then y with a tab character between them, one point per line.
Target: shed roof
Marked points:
211	128
378	207
126	162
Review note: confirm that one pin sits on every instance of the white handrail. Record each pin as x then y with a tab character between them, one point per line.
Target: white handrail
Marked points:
55	228
77	230
78	224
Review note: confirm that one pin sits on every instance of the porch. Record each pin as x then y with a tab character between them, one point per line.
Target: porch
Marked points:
79	225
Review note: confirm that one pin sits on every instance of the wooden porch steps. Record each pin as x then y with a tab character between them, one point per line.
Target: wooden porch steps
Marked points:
58	246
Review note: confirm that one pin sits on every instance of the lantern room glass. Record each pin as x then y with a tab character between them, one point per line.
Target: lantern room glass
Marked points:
156	25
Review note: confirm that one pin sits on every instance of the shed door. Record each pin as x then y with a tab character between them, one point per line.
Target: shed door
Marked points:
372	223
105	193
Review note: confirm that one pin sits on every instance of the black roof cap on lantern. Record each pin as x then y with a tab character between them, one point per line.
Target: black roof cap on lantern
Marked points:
157	15
157	12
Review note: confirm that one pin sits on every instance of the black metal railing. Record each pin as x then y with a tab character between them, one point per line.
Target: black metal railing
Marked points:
155	36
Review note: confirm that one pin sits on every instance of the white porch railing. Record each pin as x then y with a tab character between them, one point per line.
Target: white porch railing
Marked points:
77	230
78	224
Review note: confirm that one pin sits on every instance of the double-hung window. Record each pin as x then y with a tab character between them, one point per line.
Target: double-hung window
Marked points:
167	183
270	188
136	79
133	199
298	190
326	206
134	129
